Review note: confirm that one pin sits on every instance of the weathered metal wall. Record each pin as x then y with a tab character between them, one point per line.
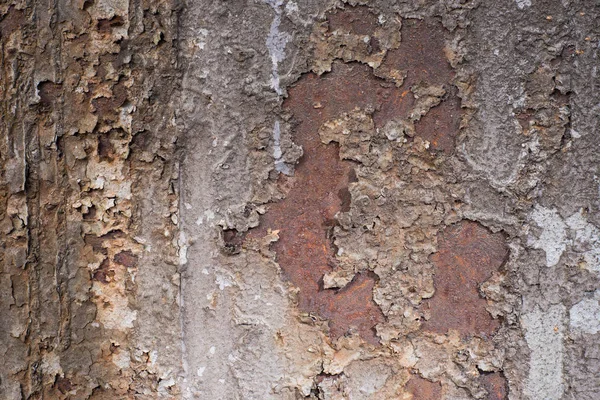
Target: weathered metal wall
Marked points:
300	199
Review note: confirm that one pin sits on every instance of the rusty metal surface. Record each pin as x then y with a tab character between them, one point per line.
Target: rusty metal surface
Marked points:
357	20
319	188
496	386
440	125
422	389
421	55
467	255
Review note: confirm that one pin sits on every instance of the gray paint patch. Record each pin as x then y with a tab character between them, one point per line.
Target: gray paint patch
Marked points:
586	240
585	315
553	236
544	335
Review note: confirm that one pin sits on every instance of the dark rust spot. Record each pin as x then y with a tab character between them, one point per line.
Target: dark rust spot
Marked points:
90	215
64	385
99	243
352	307
107	106
232	241
106	25
421	54
105	148
467	256
524	118
126	258
104	274
48	92
422	389
496	386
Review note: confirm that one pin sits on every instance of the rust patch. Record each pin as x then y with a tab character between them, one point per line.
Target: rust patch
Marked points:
126	258
319	188
422	389
357	20
105	25
441	124
467	255
351	307
421	54
318	191
63	385
496	386
49	92
11	21
107	106
104	274
232	241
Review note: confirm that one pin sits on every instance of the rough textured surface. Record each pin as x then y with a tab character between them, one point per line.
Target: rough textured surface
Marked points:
287	199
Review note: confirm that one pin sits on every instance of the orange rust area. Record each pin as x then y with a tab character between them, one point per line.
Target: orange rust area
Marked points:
467	255
319	189
422	389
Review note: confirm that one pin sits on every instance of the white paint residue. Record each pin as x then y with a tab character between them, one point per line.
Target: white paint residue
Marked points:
183	248
276	42
544	333
223	282
200	371
584	237
153	357
121	359
585	315
523	4
206	217
553	237
280	164
575	134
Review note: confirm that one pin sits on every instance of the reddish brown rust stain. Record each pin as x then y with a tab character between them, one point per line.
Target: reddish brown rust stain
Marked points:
64	385
126	258
496	386
232	241
11	21
467	255
441	124
49	92
104	274
422	389
319	188
421	54
355	20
